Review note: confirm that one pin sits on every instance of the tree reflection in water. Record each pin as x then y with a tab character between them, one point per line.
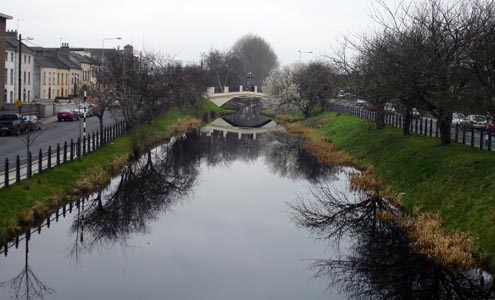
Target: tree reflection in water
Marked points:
381	264
286	156
147	188
26	285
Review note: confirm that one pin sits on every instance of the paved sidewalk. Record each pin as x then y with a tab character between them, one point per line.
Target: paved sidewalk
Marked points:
49	120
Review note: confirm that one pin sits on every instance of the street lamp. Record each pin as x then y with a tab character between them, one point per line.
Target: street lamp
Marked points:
302	52
103	47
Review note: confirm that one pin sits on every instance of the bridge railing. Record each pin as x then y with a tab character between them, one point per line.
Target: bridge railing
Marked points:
233	89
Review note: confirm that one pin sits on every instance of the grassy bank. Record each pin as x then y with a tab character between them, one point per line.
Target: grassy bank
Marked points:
456	181
25	203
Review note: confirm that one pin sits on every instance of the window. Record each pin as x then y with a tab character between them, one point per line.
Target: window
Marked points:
24	95
11	56
58	79
66	82
49	78
11	96
44	79
24	78
29	59
6	76
25	58
29	78
29	96
11	76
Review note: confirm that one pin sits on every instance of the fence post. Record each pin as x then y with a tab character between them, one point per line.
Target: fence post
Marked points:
29	165
84	145
472	137
431	127
489	141
65	151
464	135
456	133
71	149
93	138
17	169
40	161
436	130
78	149
97	139
482	140
6	170
49	157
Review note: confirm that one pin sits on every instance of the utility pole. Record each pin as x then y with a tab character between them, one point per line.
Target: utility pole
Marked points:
84	126
19	75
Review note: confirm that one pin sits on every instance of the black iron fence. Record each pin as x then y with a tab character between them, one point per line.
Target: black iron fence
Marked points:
36	163
481	138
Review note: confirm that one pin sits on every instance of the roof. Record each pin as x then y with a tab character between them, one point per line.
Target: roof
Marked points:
4	16
12	45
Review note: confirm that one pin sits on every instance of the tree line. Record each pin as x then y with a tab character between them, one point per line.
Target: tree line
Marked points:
436	56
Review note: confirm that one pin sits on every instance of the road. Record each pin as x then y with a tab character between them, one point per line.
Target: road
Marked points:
53	133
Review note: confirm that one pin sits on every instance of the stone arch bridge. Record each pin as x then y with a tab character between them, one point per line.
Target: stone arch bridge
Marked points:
220	98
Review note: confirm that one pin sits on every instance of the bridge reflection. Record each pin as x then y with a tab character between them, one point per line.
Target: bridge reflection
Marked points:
247	121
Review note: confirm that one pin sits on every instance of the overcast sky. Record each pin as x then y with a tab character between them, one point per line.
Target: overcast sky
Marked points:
185	28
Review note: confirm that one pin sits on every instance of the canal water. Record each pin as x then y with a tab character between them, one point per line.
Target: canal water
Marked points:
219	215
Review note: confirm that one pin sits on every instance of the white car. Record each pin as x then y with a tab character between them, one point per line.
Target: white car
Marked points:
458	119
89	110
477	121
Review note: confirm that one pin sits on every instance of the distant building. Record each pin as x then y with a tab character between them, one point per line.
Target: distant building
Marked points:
3	71
11	45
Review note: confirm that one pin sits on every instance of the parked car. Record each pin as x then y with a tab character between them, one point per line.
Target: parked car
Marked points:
491	127
12	124
68	114
89	110
33	123
458	119
389	107
477	121
361	102
95	108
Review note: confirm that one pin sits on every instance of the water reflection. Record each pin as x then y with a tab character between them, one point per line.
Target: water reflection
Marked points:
27	285
380	263
146	189
163	177
285	155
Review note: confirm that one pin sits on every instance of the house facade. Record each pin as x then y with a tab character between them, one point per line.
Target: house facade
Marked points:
3	56
12	75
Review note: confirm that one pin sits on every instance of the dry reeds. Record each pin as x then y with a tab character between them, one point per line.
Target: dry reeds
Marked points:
185	125
320	147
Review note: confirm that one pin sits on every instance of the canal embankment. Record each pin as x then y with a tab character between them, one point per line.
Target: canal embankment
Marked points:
23	205
457	182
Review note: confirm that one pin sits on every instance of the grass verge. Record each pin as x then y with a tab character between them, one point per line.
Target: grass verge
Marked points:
456	181
24	204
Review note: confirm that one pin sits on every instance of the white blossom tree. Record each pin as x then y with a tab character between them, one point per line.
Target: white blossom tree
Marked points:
282	92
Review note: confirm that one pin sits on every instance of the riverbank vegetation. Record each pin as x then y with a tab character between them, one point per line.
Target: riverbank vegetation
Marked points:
23	205
455	182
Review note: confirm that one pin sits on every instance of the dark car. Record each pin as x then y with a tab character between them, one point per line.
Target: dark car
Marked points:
33	123
12	123
67	114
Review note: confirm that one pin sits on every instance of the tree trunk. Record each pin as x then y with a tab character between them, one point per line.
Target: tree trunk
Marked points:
444	125
380	116
305	111
406	127
100	118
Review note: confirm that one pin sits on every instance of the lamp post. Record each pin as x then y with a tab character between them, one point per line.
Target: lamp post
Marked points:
303	52
103	48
